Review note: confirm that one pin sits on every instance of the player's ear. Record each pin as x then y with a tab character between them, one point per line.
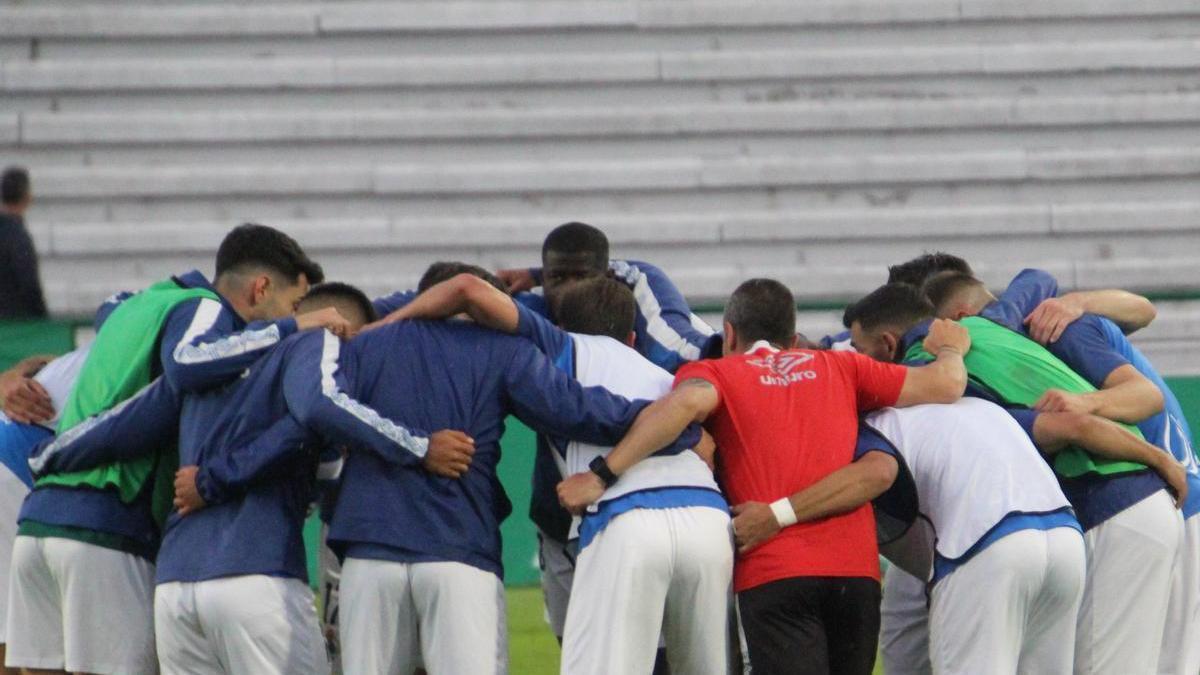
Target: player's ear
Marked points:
260	289
728	338
892	343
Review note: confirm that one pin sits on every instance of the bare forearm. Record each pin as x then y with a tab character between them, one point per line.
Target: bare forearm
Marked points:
1131	401
1128	310
655	427
1108	440
840	492
438	302
489	307
942	381
1055	431
953	371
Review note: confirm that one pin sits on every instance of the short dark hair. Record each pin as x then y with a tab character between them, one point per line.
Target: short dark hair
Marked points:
891	305
762	309
941	288
920	268
576	238
251	245
343	291
598	306
448	269
14	185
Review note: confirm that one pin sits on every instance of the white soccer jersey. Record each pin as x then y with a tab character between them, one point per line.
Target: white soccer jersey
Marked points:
604	362
58	378
973	464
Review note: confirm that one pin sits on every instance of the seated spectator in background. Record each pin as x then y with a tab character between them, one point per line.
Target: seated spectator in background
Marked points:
20	287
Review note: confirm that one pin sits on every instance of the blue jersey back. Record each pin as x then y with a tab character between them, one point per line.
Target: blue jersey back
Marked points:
1168	429
454	375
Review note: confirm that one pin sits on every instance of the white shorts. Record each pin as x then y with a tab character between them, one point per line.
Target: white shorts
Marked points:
12	496
652	569
245	624
904	625
1181	635
80	607
397	616
557	565
1011	608
1131	557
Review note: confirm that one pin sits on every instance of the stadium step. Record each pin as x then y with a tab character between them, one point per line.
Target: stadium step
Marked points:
701	229
40	129
46	19
217	74
616	176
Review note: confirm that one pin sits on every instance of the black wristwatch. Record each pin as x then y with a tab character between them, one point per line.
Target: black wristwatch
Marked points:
600	467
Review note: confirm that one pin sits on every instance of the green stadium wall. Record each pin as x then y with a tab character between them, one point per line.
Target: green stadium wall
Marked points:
21	339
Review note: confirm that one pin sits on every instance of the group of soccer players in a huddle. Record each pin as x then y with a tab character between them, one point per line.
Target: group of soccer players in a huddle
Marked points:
707	501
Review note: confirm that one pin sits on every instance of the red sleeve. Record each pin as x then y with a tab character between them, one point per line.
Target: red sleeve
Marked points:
877	384
701	370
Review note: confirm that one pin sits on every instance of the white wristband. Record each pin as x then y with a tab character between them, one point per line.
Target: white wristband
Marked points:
784	514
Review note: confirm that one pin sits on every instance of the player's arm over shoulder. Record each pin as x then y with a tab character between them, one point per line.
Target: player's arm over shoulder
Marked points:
945	379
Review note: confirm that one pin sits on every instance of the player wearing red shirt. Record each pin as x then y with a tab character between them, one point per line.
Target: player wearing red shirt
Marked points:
784	420
807	594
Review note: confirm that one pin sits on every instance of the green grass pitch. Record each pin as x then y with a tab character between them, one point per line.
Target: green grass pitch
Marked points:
532	649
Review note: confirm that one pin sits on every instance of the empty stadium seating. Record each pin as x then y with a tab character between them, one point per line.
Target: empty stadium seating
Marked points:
814	141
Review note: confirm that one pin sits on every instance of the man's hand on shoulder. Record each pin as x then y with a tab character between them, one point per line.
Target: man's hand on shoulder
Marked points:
947	334
517	280
1050	318
25	400
328	318
1057	400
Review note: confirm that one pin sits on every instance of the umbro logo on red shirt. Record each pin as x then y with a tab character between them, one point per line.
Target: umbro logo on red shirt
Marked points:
783	368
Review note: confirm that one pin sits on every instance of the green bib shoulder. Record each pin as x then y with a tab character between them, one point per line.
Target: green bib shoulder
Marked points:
1017	370
119	365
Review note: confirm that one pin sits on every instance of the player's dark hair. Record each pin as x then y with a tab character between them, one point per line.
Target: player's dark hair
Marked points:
338	290
940	289
899	306
575	238
445	270
251	246
14	185
598	306
762	309
920	268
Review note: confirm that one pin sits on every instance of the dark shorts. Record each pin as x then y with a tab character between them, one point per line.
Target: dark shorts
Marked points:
811	626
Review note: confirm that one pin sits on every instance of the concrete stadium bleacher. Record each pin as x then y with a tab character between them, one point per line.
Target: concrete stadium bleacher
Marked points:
817	142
